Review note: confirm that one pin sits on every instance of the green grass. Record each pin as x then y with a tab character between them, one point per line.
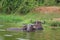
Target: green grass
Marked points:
18	20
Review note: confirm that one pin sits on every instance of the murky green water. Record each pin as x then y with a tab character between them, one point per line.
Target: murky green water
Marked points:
38	35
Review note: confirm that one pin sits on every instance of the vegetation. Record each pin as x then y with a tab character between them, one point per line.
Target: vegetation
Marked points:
55	23
18	20
14	9
24	6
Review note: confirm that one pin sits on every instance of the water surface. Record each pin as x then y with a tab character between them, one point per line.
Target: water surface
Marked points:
53	34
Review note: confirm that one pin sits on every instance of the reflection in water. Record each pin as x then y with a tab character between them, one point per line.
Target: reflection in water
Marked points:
1	38
28	35
38	35
20	35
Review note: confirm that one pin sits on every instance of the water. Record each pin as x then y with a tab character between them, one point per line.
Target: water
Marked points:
38	35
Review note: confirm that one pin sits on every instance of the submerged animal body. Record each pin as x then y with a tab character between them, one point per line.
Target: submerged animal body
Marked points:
14	29
29	27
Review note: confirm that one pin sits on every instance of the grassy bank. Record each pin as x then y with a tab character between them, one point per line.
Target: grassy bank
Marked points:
18	20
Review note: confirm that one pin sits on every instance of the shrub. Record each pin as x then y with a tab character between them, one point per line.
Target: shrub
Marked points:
55	23
24	10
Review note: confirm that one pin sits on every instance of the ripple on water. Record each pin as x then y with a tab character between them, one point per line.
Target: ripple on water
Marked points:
2	30
1	25
1	38
8	35
22	39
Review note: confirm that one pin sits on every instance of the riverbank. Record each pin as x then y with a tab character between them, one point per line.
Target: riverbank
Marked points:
18	20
